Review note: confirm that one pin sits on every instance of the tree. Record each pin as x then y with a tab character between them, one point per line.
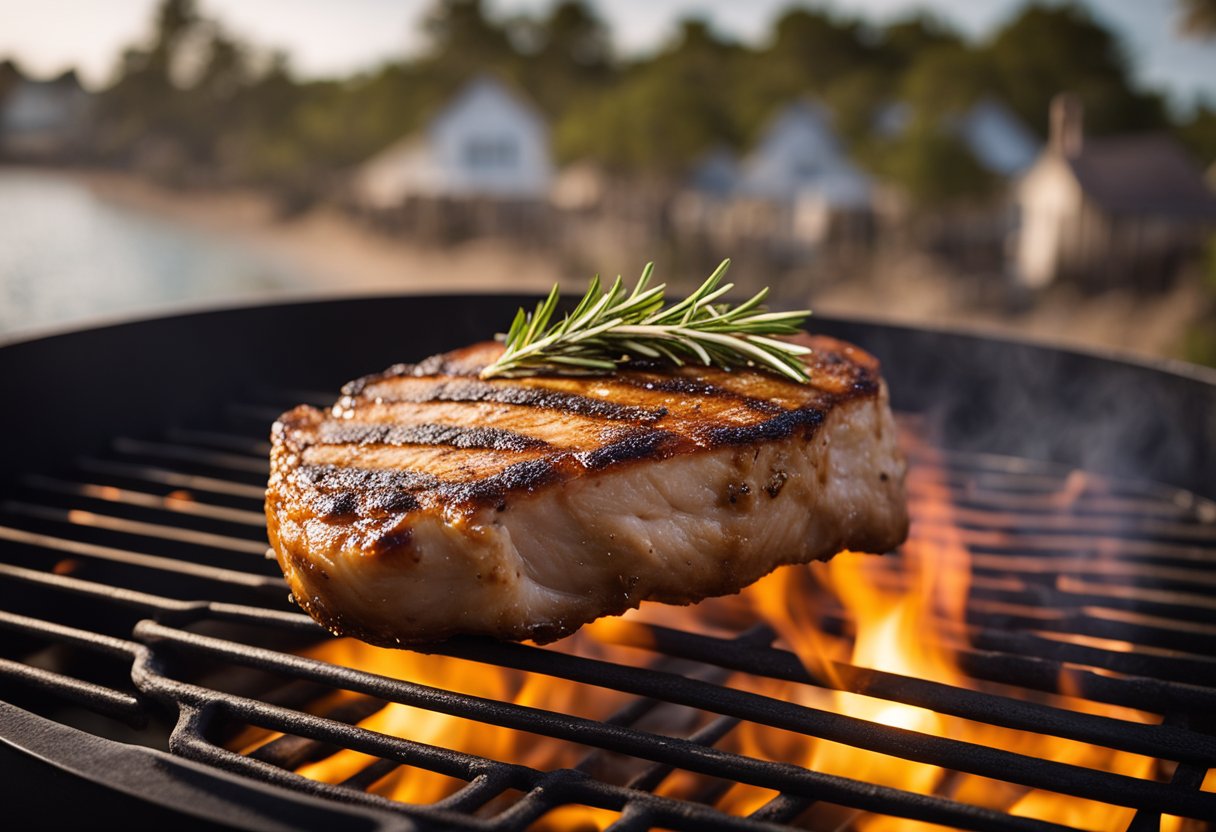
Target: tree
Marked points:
568	56
1048	49
665	111
461	38
944	81
933	167
1198	133
1198	18
903	41
812	49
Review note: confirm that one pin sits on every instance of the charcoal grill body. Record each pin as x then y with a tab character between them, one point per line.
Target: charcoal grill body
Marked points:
70	395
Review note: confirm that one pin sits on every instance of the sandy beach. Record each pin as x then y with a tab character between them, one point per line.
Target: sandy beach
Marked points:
335	255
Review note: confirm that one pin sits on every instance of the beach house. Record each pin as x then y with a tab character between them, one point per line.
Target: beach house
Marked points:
795	187
487	143
1112	211
44	119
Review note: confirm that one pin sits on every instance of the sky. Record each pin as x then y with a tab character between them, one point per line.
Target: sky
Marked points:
331	38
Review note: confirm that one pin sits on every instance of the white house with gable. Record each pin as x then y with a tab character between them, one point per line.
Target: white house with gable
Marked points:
44	118
800	158
486	143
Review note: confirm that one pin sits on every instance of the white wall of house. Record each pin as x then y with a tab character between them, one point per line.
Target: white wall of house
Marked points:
1049	202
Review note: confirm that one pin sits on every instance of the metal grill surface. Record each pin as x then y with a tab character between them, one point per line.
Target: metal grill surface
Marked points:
138	605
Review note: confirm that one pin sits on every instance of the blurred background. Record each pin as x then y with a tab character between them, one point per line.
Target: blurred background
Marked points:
1046	168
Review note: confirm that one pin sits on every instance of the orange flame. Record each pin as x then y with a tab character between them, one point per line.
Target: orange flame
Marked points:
903	616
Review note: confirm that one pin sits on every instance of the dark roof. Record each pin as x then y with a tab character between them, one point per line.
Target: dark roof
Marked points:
1143	175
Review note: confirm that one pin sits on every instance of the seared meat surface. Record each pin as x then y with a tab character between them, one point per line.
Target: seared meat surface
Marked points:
429	503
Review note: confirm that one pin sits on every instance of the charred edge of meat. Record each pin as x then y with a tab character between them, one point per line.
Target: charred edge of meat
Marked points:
696	387
641	443
497	439
403	490
333	492
779	427
460	389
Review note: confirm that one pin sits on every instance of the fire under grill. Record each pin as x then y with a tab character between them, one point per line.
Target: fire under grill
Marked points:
151	660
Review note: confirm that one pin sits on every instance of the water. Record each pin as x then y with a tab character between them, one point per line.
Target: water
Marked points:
68	258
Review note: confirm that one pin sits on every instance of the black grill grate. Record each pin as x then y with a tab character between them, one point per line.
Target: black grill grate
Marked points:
135	590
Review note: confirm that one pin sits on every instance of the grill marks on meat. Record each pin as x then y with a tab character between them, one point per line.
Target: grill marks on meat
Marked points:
429	502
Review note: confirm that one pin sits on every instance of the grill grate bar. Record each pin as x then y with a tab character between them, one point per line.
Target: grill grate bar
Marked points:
290	752
1199	670
98	698
1009	514
138	559
243	445
650	779
188	453
782	809
477	793
1153	740
1185	777
86	639
261	415
960	491
561	787
164	608
1026	524
143	499
1065	554
367	777
1011	767
1067	477
1067	594
121	525
1049	562
1082	589
169	476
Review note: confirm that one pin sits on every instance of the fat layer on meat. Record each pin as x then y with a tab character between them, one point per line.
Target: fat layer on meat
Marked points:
428	503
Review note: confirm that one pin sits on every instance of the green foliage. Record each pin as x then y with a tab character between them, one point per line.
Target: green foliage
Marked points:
1198	18
662	114
1198	134
1049	49
945	81
1200	339
933	167
218	109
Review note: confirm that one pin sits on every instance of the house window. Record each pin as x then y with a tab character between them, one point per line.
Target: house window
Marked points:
491	153
806	168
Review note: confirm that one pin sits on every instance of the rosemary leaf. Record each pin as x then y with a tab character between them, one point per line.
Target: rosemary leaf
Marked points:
609	328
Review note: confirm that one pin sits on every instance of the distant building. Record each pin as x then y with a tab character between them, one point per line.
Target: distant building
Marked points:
715	173
44	119
486	143
797	188
1123	210
998	140
799	158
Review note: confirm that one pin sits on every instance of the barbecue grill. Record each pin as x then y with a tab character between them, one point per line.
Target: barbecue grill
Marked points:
153	666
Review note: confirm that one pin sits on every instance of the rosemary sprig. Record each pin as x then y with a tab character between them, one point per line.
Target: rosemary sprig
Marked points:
610	328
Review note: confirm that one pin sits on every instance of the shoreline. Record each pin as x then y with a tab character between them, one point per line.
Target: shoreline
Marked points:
331	255
328	250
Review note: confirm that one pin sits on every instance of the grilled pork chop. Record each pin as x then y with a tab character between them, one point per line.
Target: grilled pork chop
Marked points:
429	503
